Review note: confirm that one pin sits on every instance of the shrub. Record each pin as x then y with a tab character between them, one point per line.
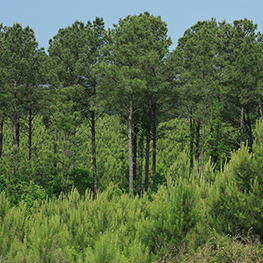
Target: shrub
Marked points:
174	214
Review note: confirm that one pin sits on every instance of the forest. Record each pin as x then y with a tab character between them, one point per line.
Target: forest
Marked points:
115	148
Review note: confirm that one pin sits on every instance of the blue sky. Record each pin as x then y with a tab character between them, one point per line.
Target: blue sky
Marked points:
45	17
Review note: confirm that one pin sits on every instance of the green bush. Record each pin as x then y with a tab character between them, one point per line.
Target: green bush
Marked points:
236	203
174	214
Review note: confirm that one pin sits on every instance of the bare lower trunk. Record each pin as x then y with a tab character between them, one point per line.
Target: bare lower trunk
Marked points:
1	137
147	153
242	127
15	132
197	142
139	189
213	158
64	165
130	146
203	145
154	150
73	150
30	134
18	133
249	128
15	121
15	143
135	133
94	164
55	148
15	129
191	141
260	107
147	156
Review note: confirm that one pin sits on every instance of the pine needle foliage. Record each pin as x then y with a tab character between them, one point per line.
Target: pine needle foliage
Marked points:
236	204
174	213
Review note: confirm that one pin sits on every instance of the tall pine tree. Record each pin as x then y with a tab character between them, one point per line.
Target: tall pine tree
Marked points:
132	60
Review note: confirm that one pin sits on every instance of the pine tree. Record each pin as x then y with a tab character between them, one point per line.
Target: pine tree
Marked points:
196	75
74	51
18	64
242	73
132	60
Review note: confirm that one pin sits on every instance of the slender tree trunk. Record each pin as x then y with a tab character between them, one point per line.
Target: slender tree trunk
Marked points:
260	107
154	151
15	140
73	140
93	137
15	129
191	140
154	143
147	156
73	149
250	133
203	145
197	142
1	137
64	164
55	148
30	134
135	133
15	143
139	188
213	158
15	121
18	132
147	153
242	127
130	146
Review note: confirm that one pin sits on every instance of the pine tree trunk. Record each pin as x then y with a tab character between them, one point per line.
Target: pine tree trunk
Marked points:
18	132
213	159
154	150
64	164
147	153
16	127
250	133
30	134
55	148
191	141
139	188
147	156
203	145
15	121
94	163
154	142
1	137
130	146
73	149
260	107
135	133
242	127
73	140
197	142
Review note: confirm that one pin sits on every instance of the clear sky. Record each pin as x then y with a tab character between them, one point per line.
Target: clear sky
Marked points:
45	17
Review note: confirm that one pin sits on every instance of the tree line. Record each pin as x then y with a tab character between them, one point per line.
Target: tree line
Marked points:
212	82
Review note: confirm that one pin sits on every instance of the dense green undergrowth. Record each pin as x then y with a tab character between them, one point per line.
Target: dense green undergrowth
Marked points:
213	217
